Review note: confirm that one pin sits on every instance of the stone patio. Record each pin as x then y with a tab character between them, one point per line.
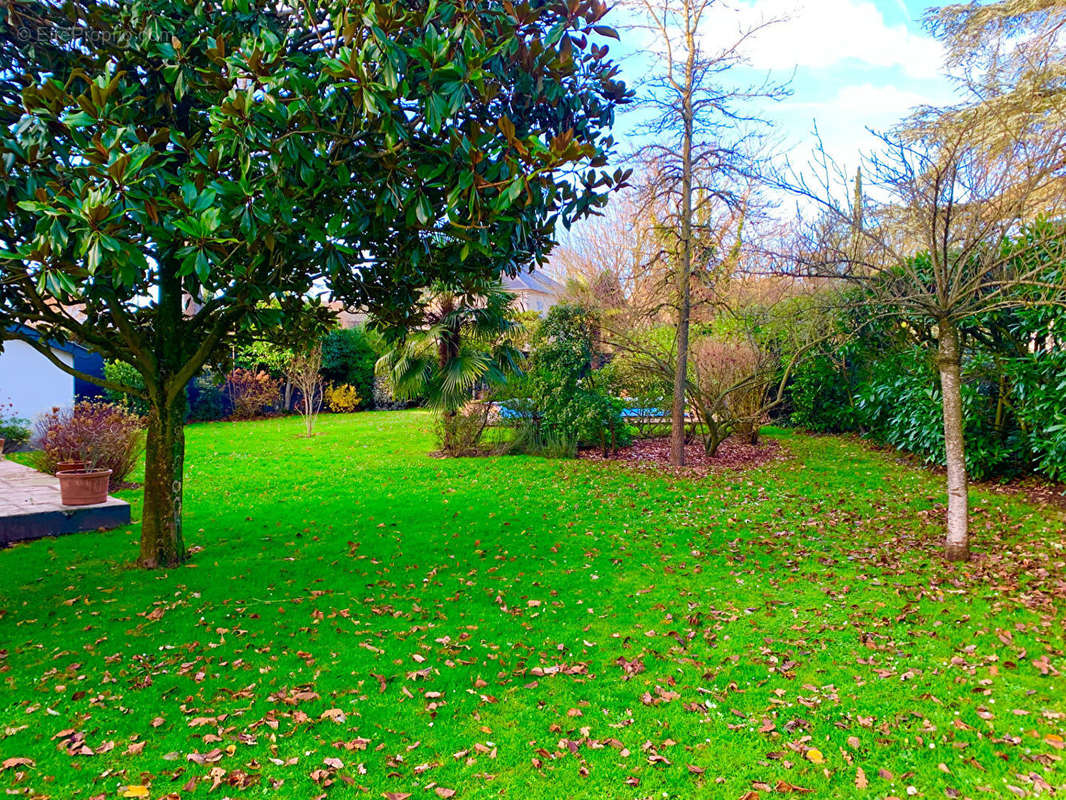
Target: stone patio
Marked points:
30	507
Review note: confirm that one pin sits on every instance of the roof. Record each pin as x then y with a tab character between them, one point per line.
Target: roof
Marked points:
532	282
73	348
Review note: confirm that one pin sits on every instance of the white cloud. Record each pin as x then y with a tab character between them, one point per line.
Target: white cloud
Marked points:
842	119
869	101
824	33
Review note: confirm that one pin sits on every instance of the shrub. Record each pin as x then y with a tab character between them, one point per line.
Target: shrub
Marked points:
348	356
1039	390
103	435
461	434
563	402
207	399
727	389
342	399
252	394
821	395
126	374
900	405
15	431
532	439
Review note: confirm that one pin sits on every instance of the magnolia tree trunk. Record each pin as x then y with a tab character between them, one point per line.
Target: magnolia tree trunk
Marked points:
161	540
950	362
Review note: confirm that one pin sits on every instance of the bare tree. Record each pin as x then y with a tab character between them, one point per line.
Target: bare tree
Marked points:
752	329
701	137
949	231
303	372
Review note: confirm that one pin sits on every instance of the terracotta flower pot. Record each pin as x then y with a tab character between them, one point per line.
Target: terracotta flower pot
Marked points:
1	447
74	465
84	488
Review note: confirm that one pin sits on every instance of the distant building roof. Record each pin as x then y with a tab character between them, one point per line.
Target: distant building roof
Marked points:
532	282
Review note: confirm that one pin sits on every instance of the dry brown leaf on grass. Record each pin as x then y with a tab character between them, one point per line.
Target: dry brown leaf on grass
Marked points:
860	779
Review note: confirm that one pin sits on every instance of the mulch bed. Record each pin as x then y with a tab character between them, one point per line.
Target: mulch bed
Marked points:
655	454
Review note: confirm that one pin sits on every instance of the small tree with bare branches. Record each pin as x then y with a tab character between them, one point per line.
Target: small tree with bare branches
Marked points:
947	235
303	371
749	330
703	135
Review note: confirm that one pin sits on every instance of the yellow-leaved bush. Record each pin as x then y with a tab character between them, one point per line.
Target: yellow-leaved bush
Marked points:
342	398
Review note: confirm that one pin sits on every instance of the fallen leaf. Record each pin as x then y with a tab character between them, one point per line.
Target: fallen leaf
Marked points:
860	779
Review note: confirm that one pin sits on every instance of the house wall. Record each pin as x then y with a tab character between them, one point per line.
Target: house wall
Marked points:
535	301
31	382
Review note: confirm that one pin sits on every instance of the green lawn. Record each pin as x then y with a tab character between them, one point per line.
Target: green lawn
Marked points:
361	617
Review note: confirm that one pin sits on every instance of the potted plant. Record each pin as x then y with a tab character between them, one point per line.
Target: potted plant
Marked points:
89	438
61	440
86	485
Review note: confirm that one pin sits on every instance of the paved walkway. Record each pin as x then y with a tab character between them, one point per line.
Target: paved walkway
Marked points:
30	507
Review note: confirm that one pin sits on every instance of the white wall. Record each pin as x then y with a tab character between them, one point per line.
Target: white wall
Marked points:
33	383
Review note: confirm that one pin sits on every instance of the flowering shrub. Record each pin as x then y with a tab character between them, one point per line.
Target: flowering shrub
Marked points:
252	393
103	435
342	399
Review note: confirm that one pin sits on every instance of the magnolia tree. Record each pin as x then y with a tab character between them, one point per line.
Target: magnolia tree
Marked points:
180	174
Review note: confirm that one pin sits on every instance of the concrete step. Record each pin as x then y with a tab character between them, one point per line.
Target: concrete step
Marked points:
30	507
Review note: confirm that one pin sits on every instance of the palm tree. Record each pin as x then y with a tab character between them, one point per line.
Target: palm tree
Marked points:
466	341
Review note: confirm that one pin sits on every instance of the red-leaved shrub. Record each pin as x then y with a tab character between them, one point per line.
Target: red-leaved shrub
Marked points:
252	393
103	435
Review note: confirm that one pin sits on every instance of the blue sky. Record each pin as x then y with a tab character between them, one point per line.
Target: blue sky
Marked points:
856	63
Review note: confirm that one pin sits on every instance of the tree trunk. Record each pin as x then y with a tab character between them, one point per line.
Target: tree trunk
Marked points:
677	412
748	431
684	279
161	540
447	352
950	362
